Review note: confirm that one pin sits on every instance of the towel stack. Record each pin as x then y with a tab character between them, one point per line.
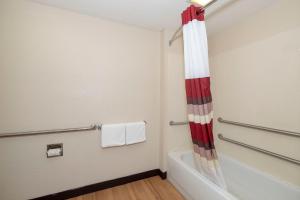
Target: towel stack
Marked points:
121	134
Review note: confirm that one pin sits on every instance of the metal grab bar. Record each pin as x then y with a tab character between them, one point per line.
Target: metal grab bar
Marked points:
263	128
278	131
54	131
46	132
172	123
282	157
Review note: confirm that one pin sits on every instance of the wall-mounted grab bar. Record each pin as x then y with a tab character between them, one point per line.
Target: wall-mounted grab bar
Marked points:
278	131
46	132
172	123
54	131
263	128
292	160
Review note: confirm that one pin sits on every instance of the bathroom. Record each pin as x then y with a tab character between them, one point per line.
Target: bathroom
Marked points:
72	72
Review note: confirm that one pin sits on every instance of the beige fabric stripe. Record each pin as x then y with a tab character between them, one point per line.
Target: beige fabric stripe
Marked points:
209	167
207	154
201	119
203	109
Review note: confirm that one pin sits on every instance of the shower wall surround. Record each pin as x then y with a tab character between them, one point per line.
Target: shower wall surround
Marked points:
255	77
256	80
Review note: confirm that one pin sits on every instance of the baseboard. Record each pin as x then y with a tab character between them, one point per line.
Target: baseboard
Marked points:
103	185
163	175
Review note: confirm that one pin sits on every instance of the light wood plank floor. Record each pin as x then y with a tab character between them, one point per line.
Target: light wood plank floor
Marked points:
153	188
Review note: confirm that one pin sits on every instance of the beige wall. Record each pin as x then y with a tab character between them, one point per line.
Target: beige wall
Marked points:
256	79
173	100
59	69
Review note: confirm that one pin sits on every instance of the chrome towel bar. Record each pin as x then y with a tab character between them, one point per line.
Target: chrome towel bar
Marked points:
292	160
278	131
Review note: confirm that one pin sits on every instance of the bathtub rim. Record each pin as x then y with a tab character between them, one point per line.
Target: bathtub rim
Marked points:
177	156
260	172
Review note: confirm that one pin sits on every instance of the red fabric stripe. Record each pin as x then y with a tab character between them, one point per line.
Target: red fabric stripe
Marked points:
198	88
192	13
203	134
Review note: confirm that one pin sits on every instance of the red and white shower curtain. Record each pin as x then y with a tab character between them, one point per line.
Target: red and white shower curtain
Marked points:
199	99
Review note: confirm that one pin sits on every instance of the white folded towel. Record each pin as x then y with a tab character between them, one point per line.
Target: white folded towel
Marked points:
113	135
135	132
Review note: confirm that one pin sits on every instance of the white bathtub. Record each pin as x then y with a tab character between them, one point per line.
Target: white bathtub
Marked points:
243	182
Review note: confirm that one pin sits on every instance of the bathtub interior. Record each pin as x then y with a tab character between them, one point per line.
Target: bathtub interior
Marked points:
247	183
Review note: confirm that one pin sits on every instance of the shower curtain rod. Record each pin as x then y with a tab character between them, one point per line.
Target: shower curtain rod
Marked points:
175	36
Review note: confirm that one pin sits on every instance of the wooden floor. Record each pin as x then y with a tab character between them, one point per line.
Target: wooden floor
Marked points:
148	189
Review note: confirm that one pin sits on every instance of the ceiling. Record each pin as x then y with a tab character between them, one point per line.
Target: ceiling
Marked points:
161	14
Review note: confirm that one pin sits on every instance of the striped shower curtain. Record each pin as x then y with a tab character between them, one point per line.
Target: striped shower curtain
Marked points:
199	99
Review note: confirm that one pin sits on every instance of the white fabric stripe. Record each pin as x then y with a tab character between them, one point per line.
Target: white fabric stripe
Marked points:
201	119
195	50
